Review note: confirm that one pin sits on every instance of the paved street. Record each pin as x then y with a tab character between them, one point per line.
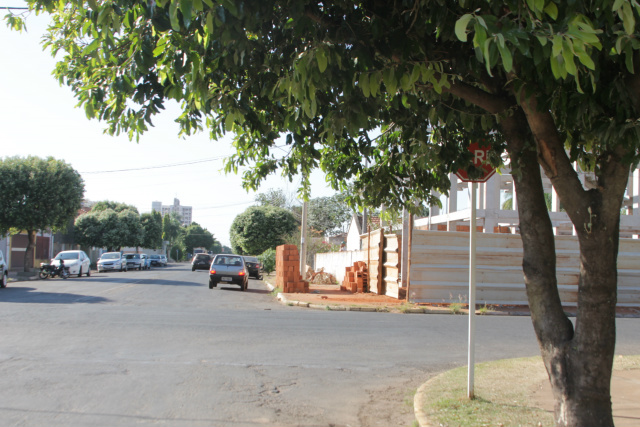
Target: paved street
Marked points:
159	348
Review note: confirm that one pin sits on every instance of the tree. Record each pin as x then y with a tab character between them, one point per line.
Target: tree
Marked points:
554	84
115	206
107	228
152	227
328	215
171	227
195	236
37	194
260	228
276	197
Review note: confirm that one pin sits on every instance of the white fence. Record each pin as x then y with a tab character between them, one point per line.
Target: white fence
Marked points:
335	262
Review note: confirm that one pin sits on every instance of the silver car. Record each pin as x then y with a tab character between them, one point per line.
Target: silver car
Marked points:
112	261
4	271
146	262
134	261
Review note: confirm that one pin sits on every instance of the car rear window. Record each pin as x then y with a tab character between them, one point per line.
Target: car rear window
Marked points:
251	259
228	260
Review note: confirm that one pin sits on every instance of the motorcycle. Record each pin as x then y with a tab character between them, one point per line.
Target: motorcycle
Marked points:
48	270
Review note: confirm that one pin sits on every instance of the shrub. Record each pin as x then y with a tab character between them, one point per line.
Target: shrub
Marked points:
268	260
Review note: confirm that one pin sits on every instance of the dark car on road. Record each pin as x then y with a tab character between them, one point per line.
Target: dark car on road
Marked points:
228	269
201	262
254	267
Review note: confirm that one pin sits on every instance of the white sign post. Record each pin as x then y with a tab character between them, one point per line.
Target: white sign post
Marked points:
479	160
472	292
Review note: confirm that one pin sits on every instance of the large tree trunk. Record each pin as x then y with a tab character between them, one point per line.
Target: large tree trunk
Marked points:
29	252
578	360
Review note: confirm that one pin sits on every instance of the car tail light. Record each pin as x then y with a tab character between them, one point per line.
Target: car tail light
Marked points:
242	273
212	271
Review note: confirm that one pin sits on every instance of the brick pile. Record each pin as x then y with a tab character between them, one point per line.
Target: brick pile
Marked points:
288	270
356	278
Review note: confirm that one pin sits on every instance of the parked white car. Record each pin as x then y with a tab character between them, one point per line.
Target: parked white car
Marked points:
4	271
112	261
76	261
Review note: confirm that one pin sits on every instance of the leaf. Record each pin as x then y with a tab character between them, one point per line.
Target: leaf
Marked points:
363	82
616	5
557	45
91	47
186	7
567	55
228	122
487	56
551	10
322	60
555	67
507	60
586	60
209	26
374	83
480	35
389	78
461	27
628	20
543	40
173	16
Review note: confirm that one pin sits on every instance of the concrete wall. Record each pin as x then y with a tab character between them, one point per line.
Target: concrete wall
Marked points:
440	269
336	262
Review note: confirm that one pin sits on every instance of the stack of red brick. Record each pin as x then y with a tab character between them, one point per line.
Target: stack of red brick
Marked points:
288	270
356	278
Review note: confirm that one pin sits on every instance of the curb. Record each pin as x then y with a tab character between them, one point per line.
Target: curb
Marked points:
419	403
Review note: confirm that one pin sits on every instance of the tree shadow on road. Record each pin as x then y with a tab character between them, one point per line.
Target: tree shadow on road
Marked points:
37	296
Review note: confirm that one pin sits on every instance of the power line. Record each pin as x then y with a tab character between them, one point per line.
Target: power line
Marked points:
171	165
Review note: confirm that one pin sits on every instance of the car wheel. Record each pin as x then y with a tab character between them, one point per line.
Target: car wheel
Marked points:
89	272
245	285
3	283
80	272
259	277
44	275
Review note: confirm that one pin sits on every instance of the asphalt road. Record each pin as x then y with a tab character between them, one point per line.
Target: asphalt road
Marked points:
159	348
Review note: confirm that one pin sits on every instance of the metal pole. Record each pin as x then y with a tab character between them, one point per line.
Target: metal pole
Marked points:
303	242
472	291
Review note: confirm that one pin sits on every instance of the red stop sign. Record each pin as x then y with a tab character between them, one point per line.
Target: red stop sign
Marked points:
481	160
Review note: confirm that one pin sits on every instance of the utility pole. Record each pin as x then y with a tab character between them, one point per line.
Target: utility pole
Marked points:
303	241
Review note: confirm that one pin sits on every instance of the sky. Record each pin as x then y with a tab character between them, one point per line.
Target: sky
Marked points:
38	117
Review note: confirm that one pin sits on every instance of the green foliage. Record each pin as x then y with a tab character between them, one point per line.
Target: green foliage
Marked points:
170	227
329	215
152	226
195	236
268	260
327	88
36	193
260	228
107	228
275	197
115	206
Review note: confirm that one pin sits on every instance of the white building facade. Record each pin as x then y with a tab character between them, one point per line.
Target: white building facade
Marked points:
184	212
